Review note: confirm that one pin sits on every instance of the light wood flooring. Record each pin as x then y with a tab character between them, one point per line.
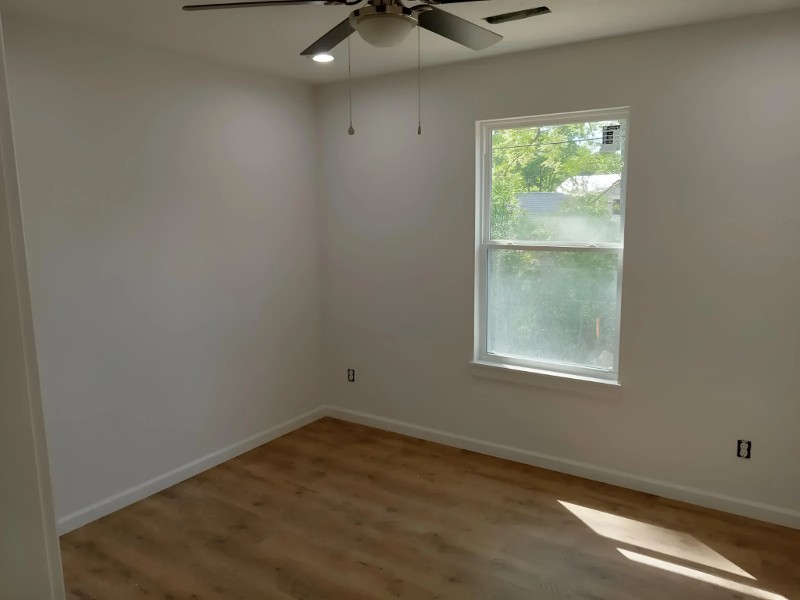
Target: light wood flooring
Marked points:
340	511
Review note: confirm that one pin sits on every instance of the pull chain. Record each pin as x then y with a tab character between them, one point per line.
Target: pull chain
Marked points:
419	82
350	130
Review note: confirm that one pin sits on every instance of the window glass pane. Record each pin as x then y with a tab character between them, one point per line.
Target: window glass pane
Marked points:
559	183
556	307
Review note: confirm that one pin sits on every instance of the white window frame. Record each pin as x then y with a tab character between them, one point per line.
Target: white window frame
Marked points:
483	242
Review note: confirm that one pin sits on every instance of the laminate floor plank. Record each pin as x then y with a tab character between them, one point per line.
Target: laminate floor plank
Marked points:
341	511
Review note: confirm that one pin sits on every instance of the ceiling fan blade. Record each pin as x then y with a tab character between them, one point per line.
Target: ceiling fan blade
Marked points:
194	7
457	29
331	39
517	15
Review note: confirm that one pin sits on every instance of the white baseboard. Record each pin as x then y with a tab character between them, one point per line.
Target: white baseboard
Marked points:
729	504
148	488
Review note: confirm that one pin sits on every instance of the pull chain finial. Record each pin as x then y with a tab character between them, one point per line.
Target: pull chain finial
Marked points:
350	130
419	82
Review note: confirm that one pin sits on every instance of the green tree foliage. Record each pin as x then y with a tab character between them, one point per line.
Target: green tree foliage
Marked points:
541	159
555	306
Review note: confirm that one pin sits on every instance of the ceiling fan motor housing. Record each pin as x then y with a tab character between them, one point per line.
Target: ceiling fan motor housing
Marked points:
383	25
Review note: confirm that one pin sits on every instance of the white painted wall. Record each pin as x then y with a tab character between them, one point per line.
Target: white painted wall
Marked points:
172	224
30	563
170	211
710	327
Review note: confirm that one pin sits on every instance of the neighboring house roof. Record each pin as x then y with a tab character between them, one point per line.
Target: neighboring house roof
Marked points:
543	203
592	184
537	203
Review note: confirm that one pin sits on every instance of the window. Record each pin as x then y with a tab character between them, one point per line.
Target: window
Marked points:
550	239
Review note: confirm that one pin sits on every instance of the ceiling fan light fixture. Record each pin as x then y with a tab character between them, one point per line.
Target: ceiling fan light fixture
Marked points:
383	26
323	57
385	23
384	31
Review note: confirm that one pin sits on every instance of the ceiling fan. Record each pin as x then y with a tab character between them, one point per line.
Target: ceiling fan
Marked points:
383	23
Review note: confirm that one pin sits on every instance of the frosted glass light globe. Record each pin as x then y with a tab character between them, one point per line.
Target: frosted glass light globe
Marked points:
384	30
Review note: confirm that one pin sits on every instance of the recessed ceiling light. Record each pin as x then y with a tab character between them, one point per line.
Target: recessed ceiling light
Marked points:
322	58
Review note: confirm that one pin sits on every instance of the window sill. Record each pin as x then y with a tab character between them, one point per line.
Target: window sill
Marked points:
546	379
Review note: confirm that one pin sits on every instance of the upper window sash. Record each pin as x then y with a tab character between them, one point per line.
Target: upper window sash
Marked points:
486	163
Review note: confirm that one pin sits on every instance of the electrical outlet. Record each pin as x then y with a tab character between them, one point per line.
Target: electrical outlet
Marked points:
351	375
744	448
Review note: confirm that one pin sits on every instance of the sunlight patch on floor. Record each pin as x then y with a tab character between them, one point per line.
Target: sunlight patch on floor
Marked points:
652	537
733	586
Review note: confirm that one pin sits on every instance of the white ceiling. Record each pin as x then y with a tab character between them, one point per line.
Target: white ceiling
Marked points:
271	39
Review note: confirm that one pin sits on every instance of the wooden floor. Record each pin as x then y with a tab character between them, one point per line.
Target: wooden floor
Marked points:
336	510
